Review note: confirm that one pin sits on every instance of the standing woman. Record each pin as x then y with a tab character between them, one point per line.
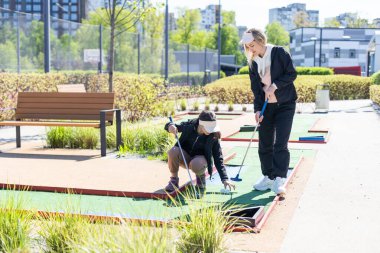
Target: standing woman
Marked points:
272	76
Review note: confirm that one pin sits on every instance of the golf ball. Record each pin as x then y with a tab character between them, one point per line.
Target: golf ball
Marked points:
225	191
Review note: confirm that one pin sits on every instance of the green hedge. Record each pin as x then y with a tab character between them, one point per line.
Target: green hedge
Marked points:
237	89
314	71
376	77
196	78
136	95
300	71
374	92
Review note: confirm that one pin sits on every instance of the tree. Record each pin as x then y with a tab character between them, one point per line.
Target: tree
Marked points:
301	19
333	22
120	16
187	25
229	35
277	34
358	22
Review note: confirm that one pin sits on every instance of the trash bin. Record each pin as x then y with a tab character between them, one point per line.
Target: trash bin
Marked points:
207	77
322	98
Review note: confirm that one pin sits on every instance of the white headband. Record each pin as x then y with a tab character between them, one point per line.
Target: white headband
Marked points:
247	38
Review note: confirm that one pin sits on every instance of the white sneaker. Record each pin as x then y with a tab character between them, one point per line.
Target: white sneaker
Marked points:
264	184
278	186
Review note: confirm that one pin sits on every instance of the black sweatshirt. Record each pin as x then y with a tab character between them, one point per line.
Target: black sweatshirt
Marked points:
282	73
207	145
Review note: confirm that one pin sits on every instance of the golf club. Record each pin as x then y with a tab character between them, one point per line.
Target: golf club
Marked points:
237	178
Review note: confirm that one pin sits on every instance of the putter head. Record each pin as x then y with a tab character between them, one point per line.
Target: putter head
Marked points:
236	179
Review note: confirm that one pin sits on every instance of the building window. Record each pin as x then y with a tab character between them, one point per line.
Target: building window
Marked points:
323	58
28	7
337	52
37	7
352	53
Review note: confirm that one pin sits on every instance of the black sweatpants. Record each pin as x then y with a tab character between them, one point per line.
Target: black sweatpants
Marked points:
274	135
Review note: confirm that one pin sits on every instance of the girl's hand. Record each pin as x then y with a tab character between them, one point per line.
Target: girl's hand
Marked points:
258	118
270	91
173	129
228	185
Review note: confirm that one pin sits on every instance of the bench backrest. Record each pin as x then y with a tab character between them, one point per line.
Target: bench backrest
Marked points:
71	88
63	106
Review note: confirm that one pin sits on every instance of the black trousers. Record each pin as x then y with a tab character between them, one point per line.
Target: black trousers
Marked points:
274	132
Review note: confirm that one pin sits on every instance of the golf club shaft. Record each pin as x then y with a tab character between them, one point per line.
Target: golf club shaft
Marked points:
253	134
183	157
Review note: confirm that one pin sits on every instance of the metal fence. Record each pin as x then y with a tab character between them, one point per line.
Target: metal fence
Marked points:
75	46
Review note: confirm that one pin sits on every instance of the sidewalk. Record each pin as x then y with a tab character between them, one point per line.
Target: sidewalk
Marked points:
340	207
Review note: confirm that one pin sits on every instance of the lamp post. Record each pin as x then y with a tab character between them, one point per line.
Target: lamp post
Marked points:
46	15
315	40
320	47
166	41
219	38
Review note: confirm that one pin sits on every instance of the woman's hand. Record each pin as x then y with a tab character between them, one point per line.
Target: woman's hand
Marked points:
258	118
228	185
173	129
270	91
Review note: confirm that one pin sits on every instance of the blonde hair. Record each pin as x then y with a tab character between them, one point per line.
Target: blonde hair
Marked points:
259	37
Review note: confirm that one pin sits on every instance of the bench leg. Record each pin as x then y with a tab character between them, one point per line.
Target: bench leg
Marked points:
118	129
103	140
18	137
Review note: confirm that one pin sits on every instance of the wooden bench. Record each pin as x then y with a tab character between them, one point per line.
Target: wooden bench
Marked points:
67	109
71	88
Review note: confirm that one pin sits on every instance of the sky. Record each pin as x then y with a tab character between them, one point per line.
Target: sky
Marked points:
253	13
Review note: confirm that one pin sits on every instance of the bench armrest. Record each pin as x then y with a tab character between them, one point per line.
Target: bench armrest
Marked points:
103	143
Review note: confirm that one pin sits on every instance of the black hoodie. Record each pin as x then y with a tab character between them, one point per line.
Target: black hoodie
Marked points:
212	149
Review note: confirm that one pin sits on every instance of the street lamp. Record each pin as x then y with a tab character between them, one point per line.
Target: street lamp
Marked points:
314	39
219	38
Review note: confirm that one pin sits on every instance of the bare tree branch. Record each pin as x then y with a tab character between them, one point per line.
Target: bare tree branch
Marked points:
126	16
129	27
121	9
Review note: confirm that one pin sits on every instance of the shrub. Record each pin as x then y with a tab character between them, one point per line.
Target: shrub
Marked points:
375	93
143	138
196	106
234	89
15	224
137	95
72	137
244	70
205	226
237	88
376	77
300	71
314	71
183	105
216	108
244	108
207	105
230	106
196	78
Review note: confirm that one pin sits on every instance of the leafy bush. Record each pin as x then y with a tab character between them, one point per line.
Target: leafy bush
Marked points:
300	71
230	106
234	89
314	71
196	78
196	106
244	70
136	95
375	93
376	77
238	90
183	105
